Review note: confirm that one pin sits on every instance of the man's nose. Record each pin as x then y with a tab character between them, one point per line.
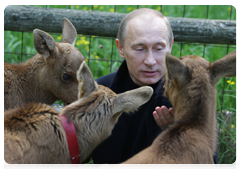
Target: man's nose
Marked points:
150	60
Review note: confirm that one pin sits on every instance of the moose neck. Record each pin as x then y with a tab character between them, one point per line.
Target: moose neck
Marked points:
87	141
198	101
88	135
195	107
86	147
34	81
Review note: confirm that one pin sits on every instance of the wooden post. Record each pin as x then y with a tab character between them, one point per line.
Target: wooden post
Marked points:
26	18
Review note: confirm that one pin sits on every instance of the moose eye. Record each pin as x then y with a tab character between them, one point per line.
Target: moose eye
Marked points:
66	77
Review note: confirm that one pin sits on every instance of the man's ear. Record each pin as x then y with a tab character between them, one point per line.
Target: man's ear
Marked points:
170	46
120	48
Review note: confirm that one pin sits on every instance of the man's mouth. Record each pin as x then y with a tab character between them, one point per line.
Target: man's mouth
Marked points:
149	73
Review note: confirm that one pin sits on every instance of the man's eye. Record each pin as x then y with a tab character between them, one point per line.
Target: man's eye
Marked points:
158	48
139	49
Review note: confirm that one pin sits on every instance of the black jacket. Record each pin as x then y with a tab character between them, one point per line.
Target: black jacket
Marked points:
133	132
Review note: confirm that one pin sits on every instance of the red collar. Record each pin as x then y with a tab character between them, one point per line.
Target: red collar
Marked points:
71	139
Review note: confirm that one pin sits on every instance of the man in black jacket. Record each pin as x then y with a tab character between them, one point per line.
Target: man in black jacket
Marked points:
144	36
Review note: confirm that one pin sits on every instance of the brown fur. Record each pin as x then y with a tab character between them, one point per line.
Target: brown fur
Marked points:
41	79
190	86
33	133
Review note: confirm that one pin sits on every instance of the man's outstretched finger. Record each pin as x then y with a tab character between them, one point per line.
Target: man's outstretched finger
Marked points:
168	114
157	119
161	116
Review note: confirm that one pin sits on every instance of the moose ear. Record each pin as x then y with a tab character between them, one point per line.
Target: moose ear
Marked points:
69	33
86	82
224	67
175	68
43	42
130	100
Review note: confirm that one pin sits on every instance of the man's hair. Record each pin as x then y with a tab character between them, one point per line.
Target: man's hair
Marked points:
122	31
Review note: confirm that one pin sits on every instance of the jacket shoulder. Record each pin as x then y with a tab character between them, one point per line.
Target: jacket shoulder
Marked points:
106	80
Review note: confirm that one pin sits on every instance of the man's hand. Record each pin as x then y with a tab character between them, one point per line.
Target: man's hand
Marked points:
163	116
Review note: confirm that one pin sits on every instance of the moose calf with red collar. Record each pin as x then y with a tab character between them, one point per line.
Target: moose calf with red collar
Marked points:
34	132
48	76
190	86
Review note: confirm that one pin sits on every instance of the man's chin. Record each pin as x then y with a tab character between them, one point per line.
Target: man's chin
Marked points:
149	82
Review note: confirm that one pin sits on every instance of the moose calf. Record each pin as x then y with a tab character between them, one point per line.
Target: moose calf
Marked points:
48	76
33	133
189	84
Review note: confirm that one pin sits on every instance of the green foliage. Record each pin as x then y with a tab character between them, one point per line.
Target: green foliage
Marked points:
226	127
102	57
88	165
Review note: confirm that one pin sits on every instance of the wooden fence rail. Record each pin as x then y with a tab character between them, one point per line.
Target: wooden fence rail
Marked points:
26	18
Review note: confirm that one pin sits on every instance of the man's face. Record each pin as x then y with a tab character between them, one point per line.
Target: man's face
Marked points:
145	45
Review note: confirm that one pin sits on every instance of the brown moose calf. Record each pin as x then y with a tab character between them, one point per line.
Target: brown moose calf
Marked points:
189	84
33	133
48	76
